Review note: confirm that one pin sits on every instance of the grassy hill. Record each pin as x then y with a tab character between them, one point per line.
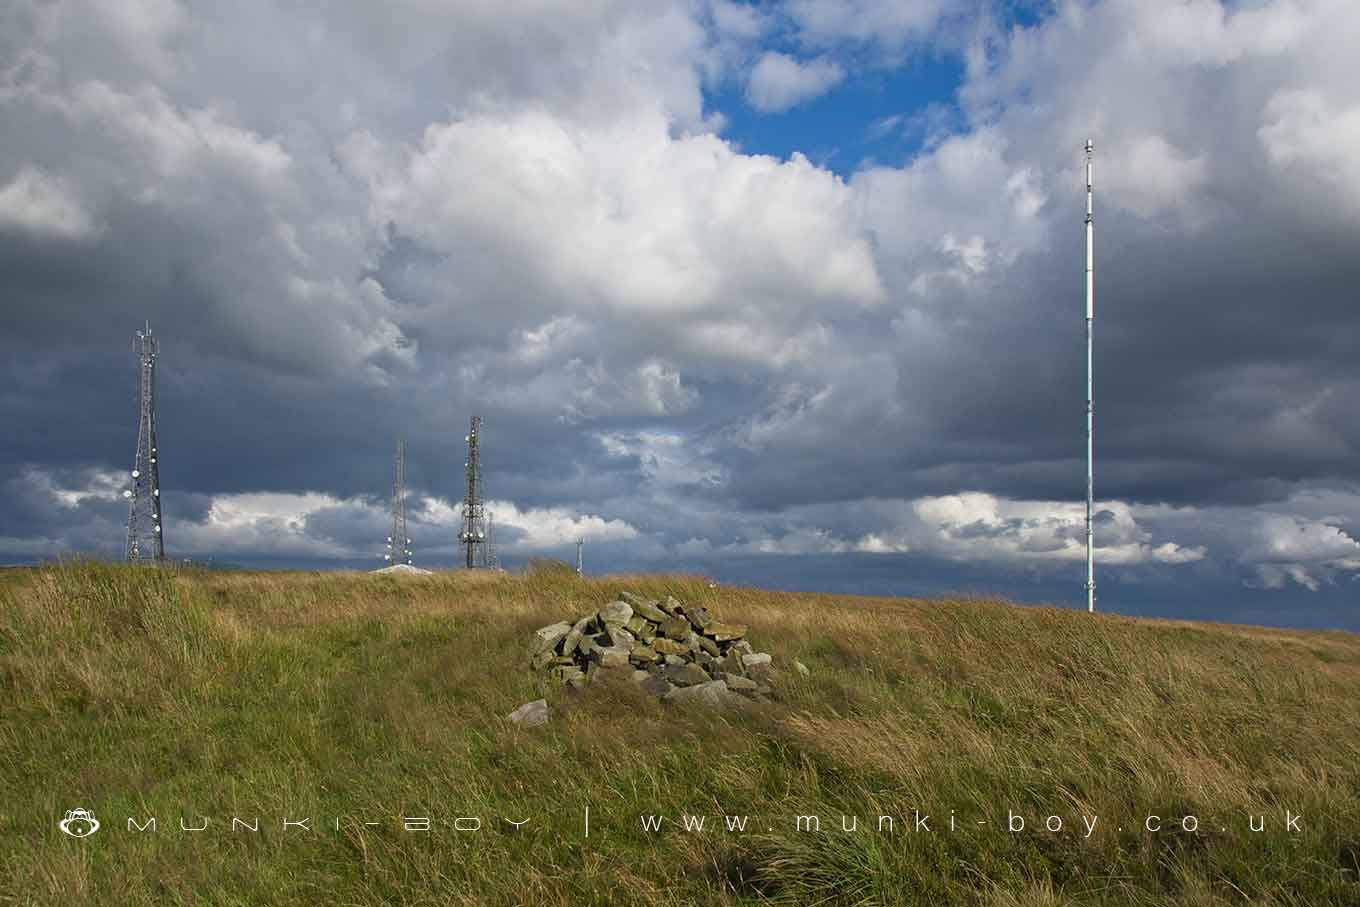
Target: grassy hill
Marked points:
183	694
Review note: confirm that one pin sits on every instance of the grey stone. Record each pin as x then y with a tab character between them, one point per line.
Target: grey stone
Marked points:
573	638
621	638
699	617
676	628
531	714
674	660
743	647
610	656
670	605
616	613
708	645
548	637
644	654
635	624
723	632
714	693
755	660
657	685
740	684
669	646
650	610
566	674
703	658
686	675
731	663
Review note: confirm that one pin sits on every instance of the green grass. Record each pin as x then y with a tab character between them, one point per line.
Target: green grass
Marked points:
139	692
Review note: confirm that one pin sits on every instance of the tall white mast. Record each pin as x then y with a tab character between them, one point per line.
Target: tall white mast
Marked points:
1090	450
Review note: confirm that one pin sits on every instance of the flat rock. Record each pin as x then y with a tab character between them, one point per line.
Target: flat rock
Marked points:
620	637
699	617
670	605
686	675
644	654
723	632
568	673
531	714
669	646
657	685
714	693
616	613
731	663
755	660
738	684
676	628
650	610
548	637
707	645
610	656
573	638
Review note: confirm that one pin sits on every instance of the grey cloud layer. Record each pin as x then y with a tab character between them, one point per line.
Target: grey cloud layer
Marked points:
346	226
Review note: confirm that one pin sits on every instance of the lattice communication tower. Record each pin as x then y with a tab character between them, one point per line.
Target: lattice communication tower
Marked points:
145	533
473	534
399	543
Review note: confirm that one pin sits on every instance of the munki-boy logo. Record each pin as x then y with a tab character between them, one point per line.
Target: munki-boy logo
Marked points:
79	823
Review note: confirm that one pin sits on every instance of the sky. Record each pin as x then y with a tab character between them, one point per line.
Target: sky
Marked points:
787	293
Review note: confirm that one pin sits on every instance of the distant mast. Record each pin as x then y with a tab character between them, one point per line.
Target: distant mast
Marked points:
473	534
1090	410
145	538
398	543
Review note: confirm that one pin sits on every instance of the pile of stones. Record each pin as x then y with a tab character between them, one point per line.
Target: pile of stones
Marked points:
675	652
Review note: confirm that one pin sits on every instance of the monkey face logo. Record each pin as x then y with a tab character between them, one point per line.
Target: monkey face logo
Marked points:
79	823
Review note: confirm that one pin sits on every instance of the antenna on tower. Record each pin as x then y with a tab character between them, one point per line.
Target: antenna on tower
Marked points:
145	538
473	534
1090	410
579	544
398	543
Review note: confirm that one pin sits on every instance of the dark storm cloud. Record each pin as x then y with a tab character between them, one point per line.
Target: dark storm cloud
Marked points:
350	226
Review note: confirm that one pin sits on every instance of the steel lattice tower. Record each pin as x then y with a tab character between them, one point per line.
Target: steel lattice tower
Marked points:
145	537
473	534
398	543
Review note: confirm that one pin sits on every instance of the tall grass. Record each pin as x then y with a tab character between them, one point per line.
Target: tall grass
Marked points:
186	693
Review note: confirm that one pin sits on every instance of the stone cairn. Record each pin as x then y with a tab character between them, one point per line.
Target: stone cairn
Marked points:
675	652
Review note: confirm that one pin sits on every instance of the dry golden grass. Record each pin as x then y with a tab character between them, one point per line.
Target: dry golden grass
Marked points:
141	692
